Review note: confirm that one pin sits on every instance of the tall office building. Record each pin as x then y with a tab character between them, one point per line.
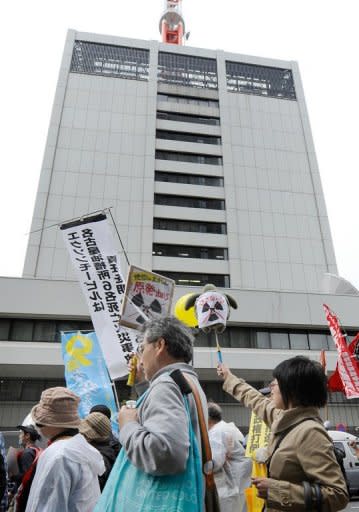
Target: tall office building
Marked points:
208	163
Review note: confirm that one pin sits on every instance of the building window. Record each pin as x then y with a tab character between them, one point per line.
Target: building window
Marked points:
110	60
189	179
195	158
4	329
298	341
192	279
187	100
190	202
260	80
187	118
318	341
188	137
218	228
187	70
187	251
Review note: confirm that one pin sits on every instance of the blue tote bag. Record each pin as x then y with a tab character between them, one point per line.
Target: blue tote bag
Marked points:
129	489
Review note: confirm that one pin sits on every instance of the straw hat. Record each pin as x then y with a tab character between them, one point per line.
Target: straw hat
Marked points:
58	407
96	427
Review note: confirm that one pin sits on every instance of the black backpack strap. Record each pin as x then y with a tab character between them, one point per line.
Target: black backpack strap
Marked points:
181	382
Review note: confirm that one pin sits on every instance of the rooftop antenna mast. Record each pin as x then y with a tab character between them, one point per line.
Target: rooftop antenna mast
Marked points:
172	25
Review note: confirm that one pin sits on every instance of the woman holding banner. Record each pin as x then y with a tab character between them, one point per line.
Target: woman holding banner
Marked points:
303	471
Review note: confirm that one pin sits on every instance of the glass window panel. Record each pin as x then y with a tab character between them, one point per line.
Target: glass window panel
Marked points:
192	179
110	60
188	118
188	70
279	340
191	226
260	80
263	339
4	329
188	137
189	202
239	337
32	389
21	330
318	341
188	157
193	279
10	390
44	330
298	341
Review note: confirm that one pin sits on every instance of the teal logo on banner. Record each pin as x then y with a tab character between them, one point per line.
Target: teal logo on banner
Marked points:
86	373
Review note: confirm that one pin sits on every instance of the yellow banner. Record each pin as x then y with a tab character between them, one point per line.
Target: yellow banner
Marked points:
258	436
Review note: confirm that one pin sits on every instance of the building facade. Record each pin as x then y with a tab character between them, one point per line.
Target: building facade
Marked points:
207	163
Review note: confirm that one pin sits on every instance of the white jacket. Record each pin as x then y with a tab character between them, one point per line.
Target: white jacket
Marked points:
232	470
66	478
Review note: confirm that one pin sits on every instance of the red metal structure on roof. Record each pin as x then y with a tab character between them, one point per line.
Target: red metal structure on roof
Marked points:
172	25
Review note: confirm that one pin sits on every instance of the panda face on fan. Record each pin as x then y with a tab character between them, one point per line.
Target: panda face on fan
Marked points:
212	311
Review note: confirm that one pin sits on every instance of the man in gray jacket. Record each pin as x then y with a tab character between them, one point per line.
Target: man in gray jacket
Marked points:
155	436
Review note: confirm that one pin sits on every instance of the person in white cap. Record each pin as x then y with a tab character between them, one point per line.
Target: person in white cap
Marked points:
67	472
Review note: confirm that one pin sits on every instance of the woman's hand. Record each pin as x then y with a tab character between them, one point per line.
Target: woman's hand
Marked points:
262	485
223	371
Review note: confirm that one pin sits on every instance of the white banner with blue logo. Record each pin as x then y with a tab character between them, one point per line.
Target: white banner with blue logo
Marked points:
86	373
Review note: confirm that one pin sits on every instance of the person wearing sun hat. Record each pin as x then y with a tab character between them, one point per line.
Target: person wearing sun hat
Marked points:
96	428
67	471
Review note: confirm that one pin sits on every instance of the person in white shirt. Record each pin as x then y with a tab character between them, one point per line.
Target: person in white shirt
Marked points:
67	472
232	470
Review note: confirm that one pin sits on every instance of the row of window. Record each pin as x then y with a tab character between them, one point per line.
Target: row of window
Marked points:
196	279
189	179
260	80
275	339
187	70
184	70
29	390
187	118
188	251
218	228
188	137
110	60
189	202
196	158
187	100
19	329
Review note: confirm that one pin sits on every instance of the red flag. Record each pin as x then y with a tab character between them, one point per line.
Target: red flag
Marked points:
335	382
347	367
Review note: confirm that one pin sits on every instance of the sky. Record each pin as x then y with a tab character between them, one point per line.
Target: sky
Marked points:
321	35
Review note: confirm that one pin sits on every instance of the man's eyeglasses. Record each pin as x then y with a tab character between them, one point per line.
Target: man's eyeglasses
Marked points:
39	425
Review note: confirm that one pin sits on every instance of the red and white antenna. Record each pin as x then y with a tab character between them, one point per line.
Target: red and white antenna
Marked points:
172	25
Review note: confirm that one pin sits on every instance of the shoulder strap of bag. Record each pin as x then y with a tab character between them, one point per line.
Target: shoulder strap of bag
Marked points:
206	447
186	386
282	436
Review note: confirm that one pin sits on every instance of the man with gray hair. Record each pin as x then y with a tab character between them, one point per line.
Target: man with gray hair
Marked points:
155	436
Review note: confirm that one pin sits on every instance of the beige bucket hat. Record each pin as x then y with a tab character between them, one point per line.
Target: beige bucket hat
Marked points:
58	407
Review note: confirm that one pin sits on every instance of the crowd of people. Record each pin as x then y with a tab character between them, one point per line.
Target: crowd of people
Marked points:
157	464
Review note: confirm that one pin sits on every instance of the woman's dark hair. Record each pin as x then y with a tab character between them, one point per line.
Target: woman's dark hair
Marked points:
302	382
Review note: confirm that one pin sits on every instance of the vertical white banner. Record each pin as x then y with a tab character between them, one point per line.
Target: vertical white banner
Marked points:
94	257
